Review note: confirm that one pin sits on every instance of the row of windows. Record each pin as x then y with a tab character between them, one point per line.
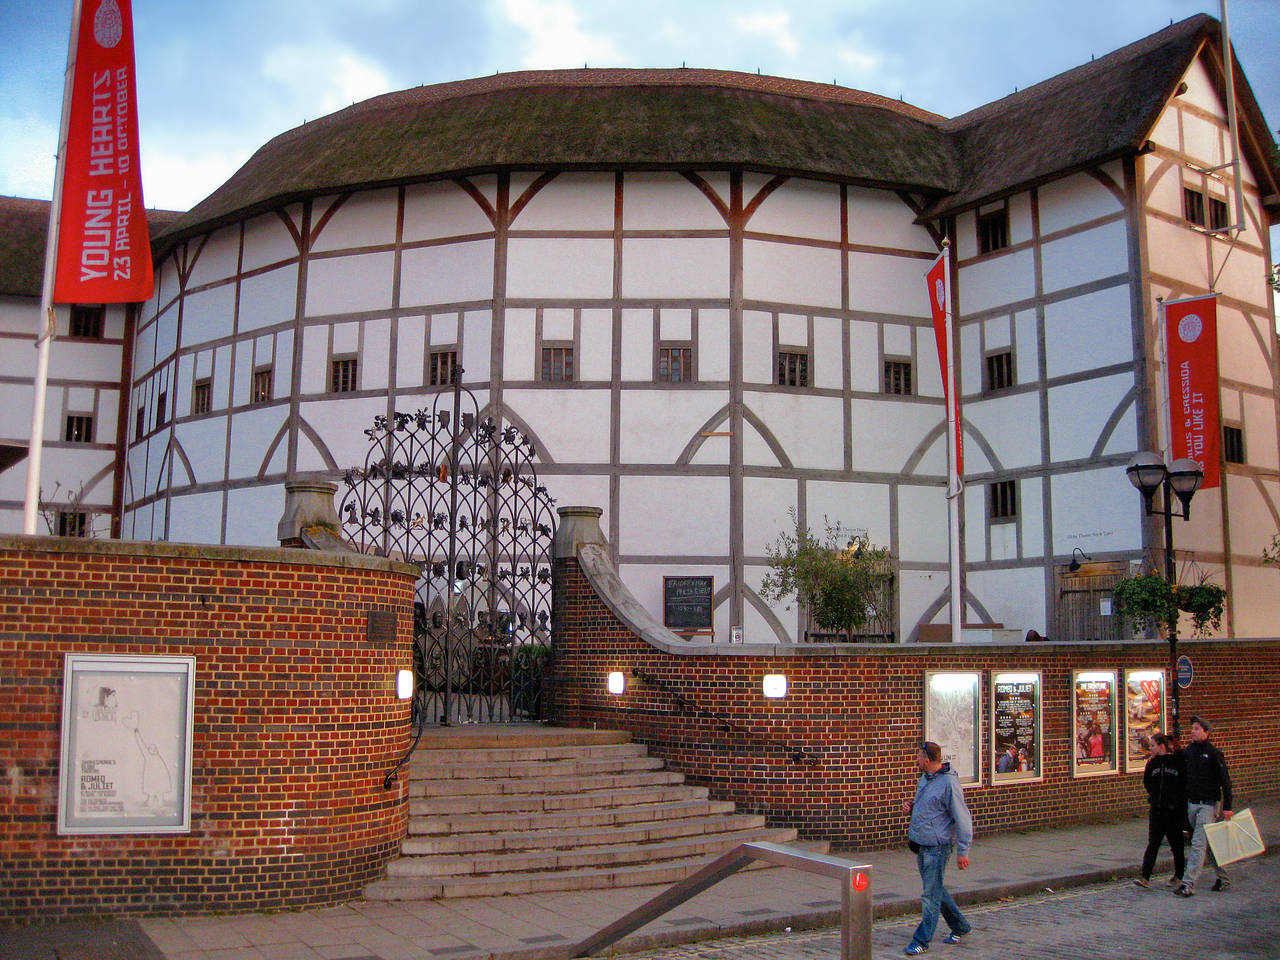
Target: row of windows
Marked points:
1195	206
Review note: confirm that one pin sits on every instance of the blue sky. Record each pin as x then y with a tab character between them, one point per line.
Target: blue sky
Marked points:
217	80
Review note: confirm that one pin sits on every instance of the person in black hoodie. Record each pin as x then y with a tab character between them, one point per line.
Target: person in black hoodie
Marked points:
1208	786
1166	781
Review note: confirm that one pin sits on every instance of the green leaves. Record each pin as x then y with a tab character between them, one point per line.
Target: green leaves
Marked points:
1151	601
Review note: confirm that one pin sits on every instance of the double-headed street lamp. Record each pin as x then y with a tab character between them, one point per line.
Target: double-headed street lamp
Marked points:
1148	473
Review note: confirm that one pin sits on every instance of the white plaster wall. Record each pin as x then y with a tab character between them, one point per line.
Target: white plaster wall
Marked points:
253	514
411	346
1253	503
69	361
268	299
799	208
1258	617
1081	258
1031	524
349	284
879	218
922	523
340	426
675	267
597	345
645	583
267	240
572	201
864	356
892	285
217	258
206	315
1095	510
791	273
713	345
860	508
1087	332
1013	597
252	431
559	268
755	627
477	326
437	210
765	516
828	353
757	347
656	425
649	527
917	591
1000	279
571	425
1078	412
518	337
887	432
1073	200
1260	432
366	219
197	518
1010	424
204	441
448	273
637	345
807	427
666	201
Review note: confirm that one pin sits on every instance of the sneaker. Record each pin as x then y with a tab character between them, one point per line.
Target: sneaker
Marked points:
1220	884
1142	882
1173	881
915	949
954	937
1185	891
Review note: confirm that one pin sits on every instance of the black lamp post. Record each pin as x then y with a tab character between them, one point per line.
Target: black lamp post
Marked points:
1148	473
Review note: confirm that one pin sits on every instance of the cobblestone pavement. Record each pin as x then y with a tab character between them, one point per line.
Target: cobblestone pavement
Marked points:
1109	921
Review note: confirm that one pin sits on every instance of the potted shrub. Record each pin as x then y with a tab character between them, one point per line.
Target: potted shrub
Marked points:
1149	600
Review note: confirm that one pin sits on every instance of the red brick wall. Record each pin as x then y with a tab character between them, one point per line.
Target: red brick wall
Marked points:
296	723
859	710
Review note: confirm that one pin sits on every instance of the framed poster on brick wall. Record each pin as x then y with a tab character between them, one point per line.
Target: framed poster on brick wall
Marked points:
1144	715
1093	723
126	744
1015	727
953	720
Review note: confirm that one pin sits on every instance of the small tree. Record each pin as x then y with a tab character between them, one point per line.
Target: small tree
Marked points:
840	579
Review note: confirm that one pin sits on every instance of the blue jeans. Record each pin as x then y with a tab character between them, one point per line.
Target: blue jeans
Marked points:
934	898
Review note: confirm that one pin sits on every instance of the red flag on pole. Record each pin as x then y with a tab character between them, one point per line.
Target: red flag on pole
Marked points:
104	251
938	281
1191	347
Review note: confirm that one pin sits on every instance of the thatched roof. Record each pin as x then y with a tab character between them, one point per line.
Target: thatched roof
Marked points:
711	119
24	229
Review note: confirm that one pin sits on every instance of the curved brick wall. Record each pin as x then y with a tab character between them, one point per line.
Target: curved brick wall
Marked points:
858	710
296	723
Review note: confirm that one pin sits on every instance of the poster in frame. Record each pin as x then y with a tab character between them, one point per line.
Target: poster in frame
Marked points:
1016	729
126	744
1144	715
1094	741
953	720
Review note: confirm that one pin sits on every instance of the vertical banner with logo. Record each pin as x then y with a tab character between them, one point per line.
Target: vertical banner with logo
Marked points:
1191	346
104	251
938	280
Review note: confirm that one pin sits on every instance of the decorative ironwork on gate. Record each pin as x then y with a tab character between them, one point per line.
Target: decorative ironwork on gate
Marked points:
456	493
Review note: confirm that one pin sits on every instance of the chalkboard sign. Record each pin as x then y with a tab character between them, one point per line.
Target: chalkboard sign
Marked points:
686	603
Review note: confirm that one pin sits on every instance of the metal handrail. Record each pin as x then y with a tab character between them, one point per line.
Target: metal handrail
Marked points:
855	895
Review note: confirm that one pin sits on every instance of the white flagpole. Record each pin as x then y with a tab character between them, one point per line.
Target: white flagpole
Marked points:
46	328
953	455
1232	125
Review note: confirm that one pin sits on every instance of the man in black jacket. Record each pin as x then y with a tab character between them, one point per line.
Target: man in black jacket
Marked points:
1165	778
1208	785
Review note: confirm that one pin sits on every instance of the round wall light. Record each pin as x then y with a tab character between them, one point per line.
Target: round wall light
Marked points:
774	685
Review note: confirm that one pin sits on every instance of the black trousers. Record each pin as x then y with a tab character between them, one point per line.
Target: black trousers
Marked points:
1164	824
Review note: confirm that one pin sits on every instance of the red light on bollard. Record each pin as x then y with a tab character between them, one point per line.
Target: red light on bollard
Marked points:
860	882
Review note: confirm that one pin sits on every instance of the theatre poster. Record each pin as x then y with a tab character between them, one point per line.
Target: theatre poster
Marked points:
1144	715
953	720
1093	723
1015	727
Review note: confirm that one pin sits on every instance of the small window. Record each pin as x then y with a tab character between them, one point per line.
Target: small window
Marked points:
999	371
139	423
1233	444
993	231
897	377
557	364
162	409
1193	206
262	389
342	375
79	429
87	321
675	364
440	367
201	397
1219	217
1003	500
792	368
73	523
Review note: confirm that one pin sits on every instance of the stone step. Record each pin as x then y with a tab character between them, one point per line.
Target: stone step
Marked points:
519	736
515	769
596	878
607	855
526	802
531	782
425	759
544	838
472	822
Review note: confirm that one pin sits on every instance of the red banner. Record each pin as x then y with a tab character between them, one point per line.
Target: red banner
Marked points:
936	279
104	252
1191	339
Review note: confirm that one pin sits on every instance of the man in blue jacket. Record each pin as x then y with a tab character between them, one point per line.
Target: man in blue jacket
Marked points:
940	821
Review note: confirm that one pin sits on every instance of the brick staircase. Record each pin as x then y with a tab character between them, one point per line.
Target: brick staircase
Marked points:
524	809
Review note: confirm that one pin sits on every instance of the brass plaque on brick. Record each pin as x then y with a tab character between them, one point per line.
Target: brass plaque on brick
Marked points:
382	626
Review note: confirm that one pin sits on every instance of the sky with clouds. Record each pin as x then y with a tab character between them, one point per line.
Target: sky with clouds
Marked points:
217	80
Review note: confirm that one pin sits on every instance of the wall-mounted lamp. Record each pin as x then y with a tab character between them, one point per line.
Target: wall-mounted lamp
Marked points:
774	685
404	684
617	682
1074	565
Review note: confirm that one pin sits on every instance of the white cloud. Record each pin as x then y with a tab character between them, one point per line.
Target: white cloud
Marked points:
27	149
318	79
556	37
179	179
774	26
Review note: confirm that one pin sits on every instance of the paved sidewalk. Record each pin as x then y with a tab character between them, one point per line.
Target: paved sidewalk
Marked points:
545	926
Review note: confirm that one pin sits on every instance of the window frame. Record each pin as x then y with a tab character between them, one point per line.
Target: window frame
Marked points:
431	366
985	225
94	314
551	350
70	431
798	372
688	360
339	368
202	389
73	523
1235	446
1002	501
256	396
901	364
1008	379
1193	206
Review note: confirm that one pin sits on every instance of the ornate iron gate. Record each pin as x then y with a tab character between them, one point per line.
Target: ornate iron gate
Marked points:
456	493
